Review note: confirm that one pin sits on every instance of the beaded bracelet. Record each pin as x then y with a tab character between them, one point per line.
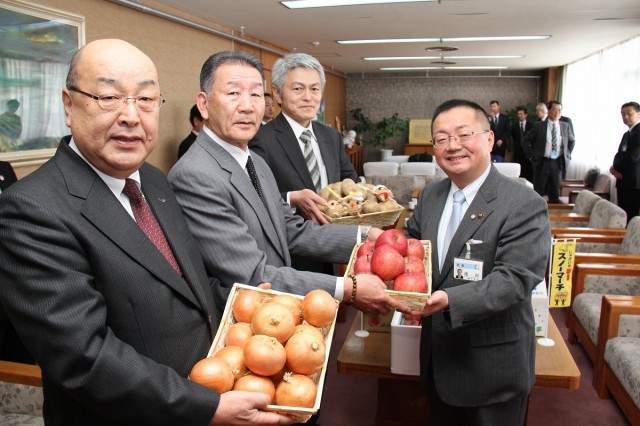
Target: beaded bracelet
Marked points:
354	290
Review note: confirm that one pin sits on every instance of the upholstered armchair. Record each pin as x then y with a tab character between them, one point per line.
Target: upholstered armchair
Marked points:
20	394
604	215
618	354
585	200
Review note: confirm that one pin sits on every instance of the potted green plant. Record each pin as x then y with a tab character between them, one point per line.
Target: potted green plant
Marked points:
378	134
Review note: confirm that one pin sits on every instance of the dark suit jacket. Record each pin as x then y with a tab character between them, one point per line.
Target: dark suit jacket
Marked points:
483	348
186	143
277	144
7	175
501	131
243	240
114	328
628	162
535	141
518	151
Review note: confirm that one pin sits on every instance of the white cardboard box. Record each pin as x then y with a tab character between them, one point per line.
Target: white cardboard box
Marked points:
405	347
540	303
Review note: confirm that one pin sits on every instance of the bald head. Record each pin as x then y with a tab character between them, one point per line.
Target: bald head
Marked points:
116	139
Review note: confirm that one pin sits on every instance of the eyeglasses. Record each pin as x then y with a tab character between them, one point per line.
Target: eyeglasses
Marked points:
114	101
440	140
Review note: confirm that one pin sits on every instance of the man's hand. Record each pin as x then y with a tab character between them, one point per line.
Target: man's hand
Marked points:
265	286
371	296
246	408
438	301
307	202
616	174
499	142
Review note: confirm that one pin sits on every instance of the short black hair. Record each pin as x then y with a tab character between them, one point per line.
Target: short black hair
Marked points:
552	103
481	114
634	105
194	113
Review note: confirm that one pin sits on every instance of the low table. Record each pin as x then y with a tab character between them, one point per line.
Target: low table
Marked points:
402	400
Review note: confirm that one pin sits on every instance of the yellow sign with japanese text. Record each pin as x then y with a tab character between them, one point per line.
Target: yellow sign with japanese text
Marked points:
564	254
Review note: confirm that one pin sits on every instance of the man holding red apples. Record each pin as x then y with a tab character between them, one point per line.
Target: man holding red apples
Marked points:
477	350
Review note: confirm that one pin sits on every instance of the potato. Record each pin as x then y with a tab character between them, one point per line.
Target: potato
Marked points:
348	186
337	187
388	205
371	207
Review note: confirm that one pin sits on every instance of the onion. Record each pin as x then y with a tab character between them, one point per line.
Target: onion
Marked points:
213	373
293	303
305	353
275	320
246	304
319	308
264	355
309	330
232	355
238	334
296	390
253	383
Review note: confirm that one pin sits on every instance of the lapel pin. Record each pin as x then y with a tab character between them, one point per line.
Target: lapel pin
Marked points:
480	215
162	200
473	216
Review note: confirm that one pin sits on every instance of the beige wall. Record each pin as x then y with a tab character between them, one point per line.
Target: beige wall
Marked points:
178	52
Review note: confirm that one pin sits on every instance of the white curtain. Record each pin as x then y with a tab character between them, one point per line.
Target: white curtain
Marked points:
594	89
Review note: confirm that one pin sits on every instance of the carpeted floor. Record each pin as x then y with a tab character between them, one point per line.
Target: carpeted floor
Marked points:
349	400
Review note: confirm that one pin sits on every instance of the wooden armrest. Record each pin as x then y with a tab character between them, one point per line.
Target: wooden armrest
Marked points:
569	217
591	238
612	307
568	181
560	206
416	193
588	231
628	259
25	374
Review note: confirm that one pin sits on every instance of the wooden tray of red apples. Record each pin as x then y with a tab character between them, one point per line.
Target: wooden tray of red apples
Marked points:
404	264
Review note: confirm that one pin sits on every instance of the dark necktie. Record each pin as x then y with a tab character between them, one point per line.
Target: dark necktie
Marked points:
554	137
148	223
310	158
454	221
254	179
522	128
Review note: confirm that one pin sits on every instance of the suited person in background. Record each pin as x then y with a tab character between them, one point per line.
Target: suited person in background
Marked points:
500	128
563	170
246	231
626	163
541	111
477	348
518	130
196	125
115	323
269	108
298	82
549	145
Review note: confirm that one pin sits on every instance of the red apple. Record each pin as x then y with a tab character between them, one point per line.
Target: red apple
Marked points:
413	264
387	263
415	248
413	282
394	238
366	248
362	265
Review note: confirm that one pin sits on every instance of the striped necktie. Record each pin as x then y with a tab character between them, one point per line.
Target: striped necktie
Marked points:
310	158
554	137
253	175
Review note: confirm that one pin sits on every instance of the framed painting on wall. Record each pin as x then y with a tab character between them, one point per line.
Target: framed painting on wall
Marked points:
37	45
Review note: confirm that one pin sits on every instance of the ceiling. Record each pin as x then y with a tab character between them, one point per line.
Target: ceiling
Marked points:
577	28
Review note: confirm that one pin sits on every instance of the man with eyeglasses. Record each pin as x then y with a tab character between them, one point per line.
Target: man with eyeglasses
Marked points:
477	349
100	275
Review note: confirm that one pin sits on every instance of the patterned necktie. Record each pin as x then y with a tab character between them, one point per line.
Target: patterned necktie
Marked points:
148	223
310	158
254	179
554	137
454	221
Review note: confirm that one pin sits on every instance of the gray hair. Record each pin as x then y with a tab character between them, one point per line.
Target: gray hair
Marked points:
289	62
541	107
211	65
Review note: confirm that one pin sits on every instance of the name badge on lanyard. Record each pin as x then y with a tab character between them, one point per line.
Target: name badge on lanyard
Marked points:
468	268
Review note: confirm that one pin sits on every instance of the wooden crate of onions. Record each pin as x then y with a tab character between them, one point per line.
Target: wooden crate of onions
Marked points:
275	343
